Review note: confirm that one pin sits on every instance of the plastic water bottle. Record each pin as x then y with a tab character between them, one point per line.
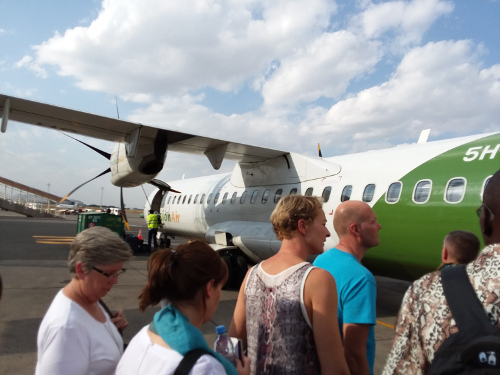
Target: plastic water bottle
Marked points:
223	344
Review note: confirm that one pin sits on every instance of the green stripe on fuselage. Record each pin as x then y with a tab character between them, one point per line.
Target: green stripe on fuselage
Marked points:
412	234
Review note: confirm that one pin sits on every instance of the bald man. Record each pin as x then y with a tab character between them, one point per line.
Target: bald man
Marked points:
357	228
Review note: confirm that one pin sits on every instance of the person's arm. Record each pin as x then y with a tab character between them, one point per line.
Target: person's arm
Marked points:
238	327
407	355
63	351
355	340
320	295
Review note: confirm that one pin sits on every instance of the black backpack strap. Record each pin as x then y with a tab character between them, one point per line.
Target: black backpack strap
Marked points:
466	309
189	360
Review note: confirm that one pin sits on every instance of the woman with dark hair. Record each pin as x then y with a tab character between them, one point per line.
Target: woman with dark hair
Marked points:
77	335
190	278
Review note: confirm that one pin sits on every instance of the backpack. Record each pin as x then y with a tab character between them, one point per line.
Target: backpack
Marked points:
475	349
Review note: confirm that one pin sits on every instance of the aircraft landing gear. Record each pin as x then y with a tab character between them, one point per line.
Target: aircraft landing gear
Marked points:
237	266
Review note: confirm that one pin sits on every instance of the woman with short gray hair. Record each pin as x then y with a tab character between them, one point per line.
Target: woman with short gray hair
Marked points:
77	335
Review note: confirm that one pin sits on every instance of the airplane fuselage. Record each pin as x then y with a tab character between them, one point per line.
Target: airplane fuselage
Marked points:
419	192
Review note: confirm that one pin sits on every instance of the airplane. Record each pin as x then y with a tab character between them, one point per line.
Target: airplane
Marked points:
419	191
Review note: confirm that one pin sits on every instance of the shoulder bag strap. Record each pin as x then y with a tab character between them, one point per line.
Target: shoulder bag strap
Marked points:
464	304
189	360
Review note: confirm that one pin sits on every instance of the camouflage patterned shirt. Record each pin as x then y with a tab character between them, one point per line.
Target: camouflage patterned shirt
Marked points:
424	320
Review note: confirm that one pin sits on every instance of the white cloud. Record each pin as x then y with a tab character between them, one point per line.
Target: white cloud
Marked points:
324	68
30	64
440	86
408	20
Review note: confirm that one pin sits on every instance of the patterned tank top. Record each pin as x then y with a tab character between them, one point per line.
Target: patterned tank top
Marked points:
279	335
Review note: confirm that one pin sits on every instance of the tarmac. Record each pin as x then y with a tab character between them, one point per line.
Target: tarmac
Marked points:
33	254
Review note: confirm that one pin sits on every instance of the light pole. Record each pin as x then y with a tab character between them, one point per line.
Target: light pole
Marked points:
102	192
48	201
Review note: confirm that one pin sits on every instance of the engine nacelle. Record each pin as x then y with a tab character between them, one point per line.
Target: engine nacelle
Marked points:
133	171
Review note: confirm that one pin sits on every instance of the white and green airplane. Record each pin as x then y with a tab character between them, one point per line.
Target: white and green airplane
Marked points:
420	192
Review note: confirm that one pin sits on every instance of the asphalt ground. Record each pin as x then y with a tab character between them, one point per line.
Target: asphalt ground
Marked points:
33	254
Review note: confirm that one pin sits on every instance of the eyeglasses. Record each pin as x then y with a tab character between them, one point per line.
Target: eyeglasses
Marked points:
110	276
478	211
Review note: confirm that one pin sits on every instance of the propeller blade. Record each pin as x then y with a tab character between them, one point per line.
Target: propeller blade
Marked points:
107	155
78	187
162	185
319	151
124	215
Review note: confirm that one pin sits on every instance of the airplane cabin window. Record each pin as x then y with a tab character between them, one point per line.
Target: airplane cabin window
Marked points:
326	193
202	199
190	197
254	196
484	185
394	192
455	190
265	196
224	198
209	198
195	198
368	193
243	197
346	193
277	196
216	198
309	192
184	200
422	191
233	198
293	191
168	201
179	199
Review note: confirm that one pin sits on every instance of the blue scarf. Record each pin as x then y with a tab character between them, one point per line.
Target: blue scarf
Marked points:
174	328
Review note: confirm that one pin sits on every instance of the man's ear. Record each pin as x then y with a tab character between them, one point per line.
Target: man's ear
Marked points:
354	229
486	223
445	256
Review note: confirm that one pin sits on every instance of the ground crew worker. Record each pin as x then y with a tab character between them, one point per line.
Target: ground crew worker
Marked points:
152	228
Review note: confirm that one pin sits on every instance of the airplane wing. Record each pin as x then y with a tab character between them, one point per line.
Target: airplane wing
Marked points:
87	124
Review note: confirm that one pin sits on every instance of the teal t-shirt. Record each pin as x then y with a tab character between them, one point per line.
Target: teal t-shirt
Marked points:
357	293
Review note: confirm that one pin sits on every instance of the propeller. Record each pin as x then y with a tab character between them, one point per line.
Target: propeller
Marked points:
107	155
160	147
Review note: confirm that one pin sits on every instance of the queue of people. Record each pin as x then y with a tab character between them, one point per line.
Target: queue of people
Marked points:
283	314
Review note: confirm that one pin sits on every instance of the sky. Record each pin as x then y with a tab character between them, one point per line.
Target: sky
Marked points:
352	75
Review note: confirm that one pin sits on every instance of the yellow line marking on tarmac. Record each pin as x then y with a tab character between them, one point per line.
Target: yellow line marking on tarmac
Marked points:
385	324
54	240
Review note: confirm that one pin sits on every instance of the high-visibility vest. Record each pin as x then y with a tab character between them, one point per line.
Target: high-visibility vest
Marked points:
152	221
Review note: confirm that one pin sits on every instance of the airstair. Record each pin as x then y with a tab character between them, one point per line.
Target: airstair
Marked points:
26	200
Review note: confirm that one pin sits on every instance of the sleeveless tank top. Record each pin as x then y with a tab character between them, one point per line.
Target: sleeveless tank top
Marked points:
279	335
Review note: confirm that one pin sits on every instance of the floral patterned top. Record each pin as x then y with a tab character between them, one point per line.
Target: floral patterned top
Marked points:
424	320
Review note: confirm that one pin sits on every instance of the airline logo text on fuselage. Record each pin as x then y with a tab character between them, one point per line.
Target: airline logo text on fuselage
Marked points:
171	217
481	152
